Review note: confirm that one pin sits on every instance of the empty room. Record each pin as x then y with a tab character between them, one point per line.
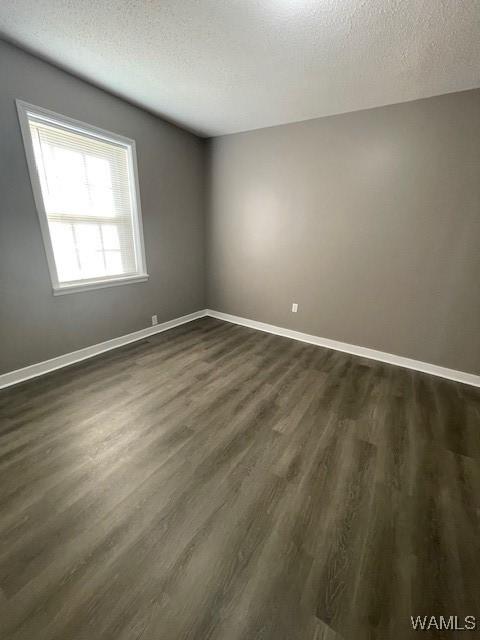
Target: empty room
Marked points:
239	320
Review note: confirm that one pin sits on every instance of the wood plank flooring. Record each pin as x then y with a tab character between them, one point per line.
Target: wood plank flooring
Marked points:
215	482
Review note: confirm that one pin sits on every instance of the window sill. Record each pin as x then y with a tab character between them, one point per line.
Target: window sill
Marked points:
97	284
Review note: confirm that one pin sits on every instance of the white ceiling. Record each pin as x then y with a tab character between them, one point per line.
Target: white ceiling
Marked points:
221	66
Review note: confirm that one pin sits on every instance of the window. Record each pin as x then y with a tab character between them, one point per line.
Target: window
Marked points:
86	191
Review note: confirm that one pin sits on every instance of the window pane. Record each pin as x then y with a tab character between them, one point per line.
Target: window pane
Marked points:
88	196
110	236
98	172
113	261
64	251
65	181
89	246
101	202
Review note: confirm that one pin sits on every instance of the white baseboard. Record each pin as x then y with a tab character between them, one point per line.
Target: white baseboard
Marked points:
38	369
364	352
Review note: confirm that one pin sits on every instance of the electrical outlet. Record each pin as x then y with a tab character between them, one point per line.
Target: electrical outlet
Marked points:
154	320
294	307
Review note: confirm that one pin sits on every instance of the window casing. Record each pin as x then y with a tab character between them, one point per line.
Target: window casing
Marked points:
85	186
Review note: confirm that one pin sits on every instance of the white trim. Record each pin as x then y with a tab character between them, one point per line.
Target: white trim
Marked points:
364	352
137	208
97	284
71	123
22	109
60	288
40	368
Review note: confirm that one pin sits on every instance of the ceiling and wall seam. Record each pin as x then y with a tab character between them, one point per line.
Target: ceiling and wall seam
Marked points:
219	68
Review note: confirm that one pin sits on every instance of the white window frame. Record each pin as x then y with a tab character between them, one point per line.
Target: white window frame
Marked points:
59	288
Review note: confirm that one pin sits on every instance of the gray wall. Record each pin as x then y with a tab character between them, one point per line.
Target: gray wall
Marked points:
35	325
370	221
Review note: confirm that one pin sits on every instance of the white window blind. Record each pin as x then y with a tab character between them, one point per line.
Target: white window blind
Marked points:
89	200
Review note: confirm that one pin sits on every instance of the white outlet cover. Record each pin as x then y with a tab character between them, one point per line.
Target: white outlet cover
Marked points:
294	307
154	320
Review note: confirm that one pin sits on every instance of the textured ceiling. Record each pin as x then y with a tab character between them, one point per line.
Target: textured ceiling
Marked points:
231	65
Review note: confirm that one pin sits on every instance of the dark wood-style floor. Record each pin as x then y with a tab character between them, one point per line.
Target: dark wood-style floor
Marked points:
218	482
